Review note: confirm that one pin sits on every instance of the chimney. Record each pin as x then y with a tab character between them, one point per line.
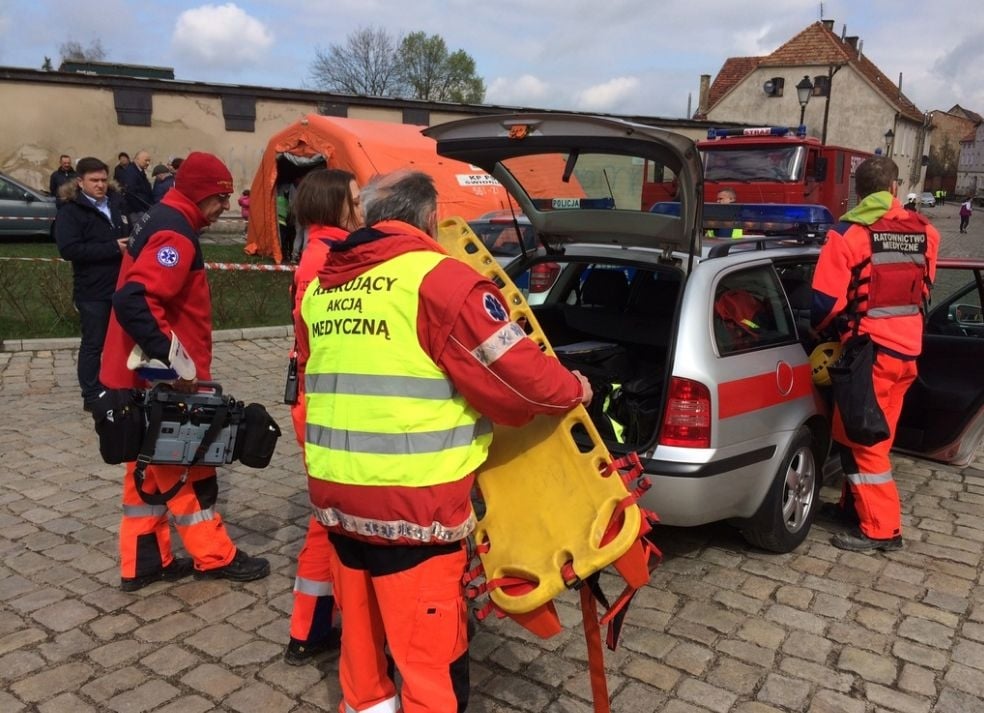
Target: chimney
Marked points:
860	46
852	41
829	24
705	88
900	83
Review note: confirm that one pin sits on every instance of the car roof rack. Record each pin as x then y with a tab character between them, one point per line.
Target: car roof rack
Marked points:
762	242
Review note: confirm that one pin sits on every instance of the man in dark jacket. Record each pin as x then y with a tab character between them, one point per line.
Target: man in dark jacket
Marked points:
124	161
91	233
137	191
163	181
64	174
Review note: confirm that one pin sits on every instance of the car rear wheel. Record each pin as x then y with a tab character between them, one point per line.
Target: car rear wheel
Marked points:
787	513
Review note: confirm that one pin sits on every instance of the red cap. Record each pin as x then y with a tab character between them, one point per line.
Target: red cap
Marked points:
202	175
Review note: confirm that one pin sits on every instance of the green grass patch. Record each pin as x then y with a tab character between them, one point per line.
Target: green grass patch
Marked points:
36	296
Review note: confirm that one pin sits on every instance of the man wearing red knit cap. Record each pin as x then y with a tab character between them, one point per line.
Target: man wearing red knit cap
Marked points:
162	313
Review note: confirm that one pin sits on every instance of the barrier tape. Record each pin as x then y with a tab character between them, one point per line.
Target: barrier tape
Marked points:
226	266
247	267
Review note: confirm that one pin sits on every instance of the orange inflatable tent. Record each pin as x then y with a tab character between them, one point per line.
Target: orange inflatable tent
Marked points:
366	148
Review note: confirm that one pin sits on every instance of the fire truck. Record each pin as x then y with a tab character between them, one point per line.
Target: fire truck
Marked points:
771	165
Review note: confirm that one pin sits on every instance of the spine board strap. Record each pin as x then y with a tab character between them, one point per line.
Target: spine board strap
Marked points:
634	567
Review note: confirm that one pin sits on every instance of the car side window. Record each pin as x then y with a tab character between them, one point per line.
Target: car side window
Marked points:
750	312
10	192
956	303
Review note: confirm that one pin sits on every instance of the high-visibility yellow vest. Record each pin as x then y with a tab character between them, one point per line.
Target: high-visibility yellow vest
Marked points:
379	410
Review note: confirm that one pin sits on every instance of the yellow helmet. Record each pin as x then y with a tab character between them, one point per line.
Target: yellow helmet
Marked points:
823	356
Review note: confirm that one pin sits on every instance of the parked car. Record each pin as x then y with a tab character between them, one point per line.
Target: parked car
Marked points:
697	348
507	235
24	212
926	198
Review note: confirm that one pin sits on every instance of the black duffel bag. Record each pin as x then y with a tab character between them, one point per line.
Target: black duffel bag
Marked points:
120	424
854	392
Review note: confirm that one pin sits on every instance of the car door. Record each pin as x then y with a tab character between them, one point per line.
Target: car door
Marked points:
943	414
21	212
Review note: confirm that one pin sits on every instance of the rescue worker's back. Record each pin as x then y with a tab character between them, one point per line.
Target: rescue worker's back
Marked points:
407	354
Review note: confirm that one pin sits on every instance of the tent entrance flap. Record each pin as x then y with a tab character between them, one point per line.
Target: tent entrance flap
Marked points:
292	168
303	161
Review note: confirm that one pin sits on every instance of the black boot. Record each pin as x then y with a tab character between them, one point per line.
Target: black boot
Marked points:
179	568
243	568
857	541
299	653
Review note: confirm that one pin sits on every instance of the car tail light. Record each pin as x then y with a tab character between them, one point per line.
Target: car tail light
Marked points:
542	276
687	419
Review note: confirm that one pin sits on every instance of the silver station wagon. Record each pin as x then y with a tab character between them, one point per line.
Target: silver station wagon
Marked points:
698	347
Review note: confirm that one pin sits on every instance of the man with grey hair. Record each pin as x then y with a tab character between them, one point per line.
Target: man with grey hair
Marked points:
406	355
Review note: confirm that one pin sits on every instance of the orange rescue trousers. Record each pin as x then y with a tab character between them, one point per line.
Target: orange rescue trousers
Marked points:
410	598
311	616
145	538
868	469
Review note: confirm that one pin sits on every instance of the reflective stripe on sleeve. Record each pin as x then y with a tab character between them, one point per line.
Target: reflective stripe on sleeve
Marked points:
195	517
144	510
395	443
312	587
499	343
870	478
370	385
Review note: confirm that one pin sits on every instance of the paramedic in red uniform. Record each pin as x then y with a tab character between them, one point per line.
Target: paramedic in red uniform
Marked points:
328	206
162	316
409	354
873	276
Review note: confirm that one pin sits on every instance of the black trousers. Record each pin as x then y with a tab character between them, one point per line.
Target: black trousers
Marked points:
94	316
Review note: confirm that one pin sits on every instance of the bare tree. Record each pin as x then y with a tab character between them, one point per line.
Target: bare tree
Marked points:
373	63
366	64
73	51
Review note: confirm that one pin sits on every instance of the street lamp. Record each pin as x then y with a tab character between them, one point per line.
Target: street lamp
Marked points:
803	91
889	138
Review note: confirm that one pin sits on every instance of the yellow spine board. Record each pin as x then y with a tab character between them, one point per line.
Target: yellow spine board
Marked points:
547	503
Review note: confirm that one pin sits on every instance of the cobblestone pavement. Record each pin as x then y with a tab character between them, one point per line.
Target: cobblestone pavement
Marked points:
722	627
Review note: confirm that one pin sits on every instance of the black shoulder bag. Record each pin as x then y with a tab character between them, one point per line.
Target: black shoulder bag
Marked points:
854	393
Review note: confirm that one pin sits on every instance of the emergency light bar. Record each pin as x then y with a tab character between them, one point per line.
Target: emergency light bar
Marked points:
757	131
760	218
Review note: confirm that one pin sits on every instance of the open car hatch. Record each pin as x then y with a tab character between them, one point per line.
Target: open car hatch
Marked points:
580	178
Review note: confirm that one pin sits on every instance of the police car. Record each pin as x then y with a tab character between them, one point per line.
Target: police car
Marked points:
698	348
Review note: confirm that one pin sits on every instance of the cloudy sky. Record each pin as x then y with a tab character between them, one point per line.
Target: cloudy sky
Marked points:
620	56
